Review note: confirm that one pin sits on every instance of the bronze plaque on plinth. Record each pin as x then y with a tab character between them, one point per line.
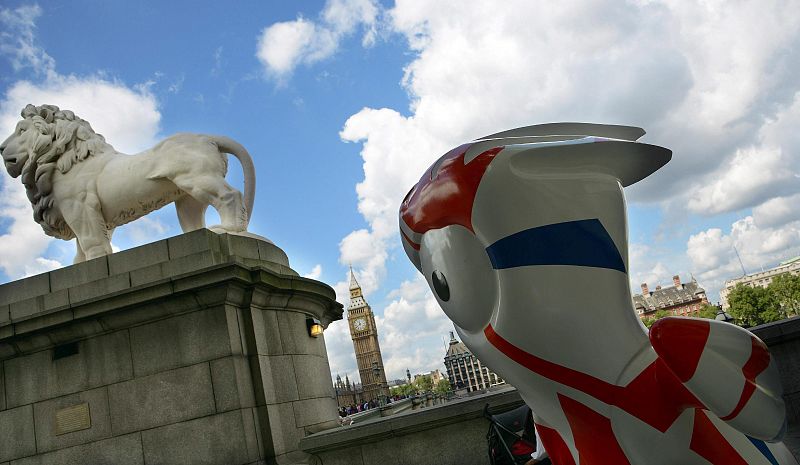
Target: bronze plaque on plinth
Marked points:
73	418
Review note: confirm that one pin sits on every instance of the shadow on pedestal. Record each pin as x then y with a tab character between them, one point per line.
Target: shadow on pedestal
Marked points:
189	350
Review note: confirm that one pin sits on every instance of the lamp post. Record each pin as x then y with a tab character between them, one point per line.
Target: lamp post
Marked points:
376	371
722	315
314	327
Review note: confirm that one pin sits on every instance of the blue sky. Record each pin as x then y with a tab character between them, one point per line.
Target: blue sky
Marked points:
343	103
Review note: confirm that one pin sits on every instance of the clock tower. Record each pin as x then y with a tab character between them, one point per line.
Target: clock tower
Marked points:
365	342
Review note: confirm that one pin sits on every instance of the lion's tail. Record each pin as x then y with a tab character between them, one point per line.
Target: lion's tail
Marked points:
228	145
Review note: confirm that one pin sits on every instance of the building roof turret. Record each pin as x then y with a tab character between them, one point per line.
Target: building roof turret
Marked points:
456	347
353	283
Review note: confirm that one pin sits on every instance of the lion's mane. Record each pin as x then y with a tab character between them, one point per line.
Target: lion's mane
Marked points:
71	140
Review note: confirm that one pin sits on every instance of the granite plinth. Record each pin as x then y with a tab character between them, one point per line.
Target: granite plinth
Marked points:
783	339
190	350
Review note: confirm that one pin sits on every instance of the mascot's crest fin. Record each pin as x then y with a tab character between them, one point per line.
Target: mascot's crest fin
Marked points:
611	131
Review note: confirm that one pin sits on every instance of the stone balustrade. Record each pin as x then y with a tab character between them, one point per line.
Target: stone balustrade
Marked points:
450	433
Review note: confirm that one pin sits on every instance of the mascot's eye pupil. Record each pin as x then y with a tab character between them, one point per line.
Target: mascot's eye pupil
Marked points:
440	285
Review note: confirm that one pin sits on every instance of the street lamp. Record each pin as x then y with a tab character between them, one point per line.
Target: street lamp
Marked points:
722	315
314	327
376	371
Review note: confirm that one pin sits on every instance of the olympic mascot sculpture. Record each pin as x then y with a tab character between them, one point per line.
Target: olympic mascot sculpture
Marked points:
522	236
80	187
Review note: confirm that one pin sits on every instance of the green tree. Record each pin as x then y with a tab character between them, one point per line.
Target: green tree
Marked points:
402	390
752	306
659	314
443	386
423	383
786	289
708	311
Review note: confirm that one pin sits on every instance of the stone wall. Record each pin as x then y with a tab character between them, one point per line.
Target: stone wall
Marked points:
783	339
447	434
191	350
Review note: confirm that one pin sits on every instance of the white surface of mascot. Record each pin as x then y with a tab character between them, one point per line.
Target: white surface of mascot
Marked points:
522	236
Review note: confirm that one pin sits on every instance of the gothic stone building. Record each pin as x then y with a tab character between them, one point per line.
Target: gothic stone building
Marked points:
465	371
348	393
434	375
364	334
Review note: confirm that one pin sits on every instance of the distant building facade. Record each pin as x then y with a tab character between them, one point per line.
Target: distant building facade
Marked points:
679	299
364	334
396	382
346	393
434	375
760	279
465	371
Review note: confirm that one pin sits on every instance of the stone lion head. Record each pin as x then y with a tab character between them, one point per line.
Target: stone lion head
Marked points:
45	140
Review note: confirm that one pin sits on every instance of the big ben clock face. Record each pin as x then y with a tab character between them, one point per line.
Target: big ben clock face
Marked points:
360	324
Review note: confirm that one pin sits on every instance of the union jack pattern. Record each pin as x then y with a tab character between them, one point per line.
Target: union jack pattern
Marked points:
522	237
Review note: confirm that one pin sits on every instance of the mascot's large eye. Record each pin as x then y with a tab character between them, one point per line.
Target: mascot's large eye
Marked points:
440	285
458	270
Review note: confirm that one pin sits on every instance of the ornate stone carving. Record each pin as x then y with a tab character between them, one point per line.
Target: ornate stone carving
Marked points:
80	187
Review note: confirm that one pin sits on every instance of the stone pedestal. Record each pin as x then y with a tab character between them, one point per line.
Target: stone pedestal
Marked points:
191	350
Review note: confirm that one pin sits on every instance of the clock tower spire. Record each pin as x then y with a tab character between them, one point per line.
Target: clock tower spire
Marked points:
364	334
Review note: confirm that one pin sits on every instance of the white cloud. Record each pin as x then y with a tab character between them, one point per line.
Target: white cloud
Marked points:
341	355
668	66
315	272
710	249
647	267
751	176
23	242
283	46
756	173
731	71
713	253
127	117
18	40
344	16
411	330
689	73
479	70
41	265
777	211
367	252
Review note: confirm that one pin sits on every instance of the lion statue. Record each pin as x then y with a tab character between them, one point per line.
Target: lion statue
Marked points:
80	187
